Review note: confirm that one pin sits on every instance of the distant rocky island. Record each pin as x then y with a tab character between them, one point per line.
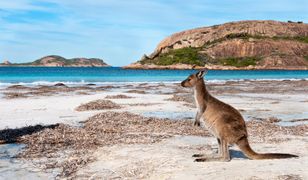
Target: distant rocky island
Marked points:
58	61
234	45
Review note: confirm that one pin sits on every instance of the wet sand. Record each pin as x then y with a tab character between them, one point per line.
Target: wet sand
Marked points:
276	112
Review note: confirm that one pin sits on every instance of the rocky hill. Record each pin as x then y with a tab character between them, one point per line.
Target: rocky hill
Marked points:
58	61
6	62
234	45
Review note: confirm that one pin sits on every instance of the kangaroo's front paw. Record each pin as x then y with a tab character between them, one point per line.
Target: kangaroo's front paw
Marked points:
197	123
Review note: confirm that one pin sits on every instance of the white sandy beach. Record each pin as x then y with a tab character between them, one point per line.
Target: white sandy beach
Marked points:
170	158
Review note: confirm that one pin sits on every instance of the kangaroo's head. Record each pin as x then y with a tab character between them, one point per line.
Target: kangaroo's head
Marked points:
193	79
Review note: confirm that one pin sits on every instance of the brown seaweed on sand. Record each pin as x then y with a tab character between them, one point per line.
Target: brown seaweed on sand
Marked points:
267	131
143	104
18	91
76	144
69	148
17	87
136	91
119	96
182	97
13	135
98	105
13	95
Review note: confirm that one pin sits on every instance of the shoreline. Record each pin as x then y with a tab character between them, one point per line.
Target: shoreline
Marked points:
173	67
122	83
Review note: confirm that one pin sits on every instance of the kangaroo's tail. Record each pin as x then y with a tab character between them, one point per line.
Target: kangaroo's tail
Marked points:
251	154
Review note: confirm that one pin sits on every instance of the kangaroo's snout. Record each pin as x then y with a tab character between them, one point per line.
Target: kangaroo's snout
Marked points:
183	83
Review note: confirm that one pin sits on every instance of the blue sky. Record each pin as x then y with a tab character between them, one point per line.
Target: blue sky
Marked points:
120	31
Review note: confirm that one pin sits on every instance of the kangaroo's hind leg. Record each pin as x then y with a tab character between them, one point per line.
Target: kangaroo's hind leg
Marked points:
225	156
218	151
225	151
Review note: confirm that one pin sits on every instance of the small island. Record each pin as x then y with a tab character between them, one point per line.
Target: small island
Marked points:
235	45
58	61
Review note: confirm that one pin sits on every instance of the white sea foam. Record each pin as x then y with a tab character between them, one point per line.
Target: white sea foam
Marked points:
78	83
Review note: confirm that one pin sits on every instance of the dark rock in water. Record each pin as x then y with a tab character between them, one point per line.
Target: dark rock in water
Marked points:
91	84
14	135
60	84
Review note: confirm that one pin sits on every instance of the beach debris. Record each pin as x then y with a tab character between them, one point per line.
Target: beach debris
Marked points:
190	105
107	87
136	91
100	104
17	87
144	104
266	131
188	98
289	177
13	95
19	91
299	120
13	135
60	85
180	90
273	120
70	148
119	96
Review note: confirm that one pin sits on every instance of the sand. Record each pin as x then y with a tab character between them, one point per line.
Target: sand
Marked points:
169	158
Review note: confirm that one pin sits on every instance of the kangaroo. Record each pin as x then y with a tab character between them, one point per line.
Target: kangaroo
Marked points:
224	122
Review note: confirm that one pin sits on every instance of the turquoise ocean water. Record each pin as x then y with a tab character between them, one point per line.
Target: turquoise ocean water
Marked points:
105	75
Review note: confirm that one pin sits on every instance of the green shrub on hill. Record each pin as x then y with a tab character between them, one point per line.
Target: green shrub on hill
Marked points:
188	55
194	56
239	61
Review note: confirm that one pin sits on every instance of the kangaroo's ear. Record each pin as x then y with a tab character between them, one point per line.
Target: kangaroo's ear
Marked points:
201	73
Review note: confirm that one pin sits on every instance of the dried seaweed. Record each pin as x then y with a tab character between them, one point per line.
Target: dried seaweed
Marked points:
136	91
13	135
18	91
70	148
13	95
267	130
98	105
75	144
119	96
188	98
17	87
144	104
